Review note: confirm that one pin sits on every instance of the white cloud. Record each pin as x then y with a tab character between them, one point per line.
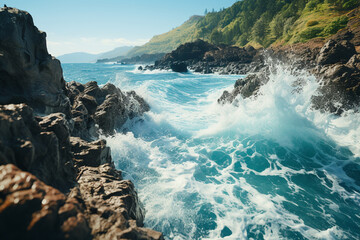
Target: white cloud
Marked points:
89	44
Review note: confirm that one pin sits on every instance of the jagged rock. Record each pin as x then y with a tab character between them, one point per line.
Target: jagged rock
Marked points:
335	64
28	74
246	87
203	57
354	62
29	209
189	51
179	67
90	153
335	52
112	204
108	107
39	145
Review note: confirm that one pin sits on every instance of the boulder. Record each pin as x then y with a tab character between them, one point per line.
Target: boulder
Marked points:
107	107
30	209
28	73
112	204
336	52
179	67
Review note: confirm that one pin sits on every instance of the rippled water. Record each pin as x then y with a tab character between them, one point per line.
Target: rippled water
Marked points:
267	168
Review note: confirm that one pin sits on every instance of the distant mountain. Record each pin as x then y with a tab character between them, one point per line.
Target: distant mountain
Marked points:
120	51
82	57
259	23
78	57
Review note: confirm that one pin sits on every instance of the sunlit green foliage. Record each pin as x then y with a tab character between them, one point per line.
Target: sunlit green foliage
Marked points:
260	23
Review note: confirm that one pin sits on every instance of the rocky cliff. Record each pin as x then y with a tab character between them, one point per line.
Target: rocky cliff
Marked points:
57	180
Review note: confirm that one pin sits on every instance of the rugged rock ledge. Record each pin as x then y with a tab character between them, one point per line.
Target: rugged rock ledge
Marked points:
57	181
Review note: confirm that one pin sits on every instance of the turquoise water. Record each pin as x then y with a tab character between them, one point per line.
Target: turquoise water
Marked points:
263	168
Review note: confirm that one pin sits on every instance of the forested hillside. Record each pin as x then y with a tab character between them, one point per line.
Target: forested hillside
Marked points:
259	23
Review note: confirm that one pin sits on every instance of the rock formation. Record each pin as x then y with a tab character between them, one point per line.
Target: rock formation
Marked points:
28	73
108	107
57	181
203	57
335	62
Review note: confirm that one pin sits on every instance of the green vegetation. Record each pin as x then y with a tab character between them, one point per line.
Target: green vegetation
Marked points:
259	23
169	41
312	23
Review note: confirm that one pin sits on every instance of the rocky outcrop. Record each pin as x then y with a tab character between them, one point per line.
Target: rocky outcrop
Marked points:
95	203
108	107
178	67
111	204
39	145
28	73
334	62
30	209
203	57
56	180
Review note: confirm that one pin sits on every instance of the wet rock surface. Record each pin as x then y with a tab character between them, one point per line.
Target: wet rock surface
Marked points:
108	107
111	204
30	209
57	180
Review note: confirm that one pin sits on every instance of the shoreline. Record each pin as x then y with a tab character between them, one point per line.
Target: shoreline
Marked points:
56	173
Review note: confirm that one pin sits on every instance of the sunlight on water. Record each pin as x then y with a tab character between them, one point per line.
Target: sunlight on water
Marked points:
264	168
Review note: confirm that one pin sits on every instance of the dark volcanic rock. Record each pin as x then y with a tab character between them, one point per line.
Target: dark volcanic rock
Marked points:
108	107
178	67
189	51
40	146
29	209
246	87
28	74
101	205
335	52
203	57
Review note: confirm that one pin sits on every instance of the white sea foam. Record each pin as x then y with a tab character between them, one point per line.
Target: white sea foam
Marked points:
242	170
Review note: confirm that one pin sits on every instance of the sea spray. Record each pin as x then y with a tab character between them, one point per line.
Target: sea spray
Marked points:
265	168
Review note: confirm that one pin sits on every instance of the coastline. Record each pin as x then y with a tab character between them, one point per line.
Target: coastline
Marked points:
49	128
55	172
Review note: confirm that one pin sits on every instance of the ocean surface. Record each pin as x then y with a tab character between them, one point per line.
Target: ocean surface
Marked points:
263	168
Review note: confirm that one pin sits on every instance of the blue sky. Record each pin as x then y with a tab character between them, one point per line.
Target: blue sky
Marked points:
98	26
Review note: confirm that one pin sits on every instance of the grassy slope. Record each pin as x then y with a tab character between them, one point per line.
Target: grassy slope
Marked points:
169	41
259	23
